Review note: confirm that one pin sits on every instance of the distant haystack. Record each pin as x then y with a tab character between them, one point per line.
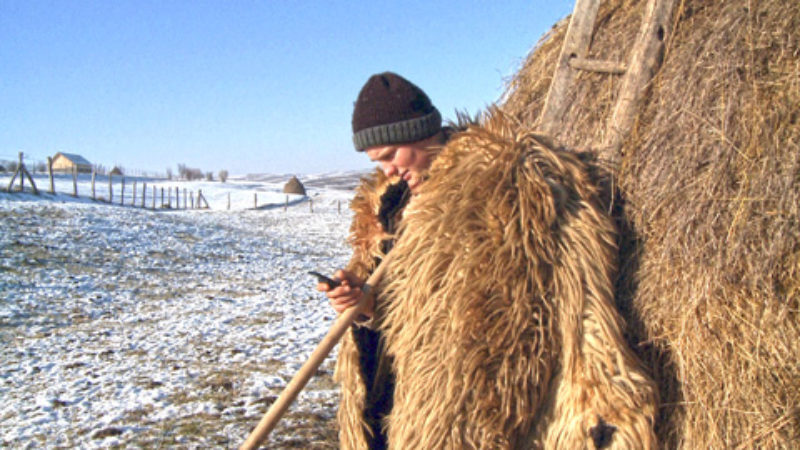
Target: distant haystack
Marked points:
294	186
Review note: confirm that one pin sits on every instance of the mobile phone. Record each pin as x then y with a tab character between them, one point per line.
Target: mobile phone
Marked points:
323	279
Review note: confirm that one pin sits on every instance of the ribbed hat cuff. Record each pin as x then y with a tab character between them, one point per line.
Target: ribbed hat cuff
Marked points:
410	130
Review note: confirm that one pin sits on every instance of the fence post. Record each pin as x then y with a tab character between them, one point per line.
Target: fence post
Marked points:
50	170
144	192
133	201
22	172
255	200
21	175
229	201
286	205
155	194
339	207
110	190
311	205
201	198
74	181
94	174
177	197
185	203
162	197
122	193
191	197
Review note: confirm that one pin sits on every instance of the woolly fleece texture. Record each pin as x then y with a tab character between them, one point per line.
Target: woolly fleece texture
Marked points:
498	306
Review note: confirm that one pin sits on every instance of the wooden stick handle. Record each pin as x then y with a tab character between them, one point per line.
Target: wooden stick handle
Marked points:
290	392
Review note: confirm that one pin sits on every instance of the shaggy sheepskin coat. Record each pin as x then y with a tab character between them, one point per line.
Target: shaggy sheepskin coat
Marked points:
497	308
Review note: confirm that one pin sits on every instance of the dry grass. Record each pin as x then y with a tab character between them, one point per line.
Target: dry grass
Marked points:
709	188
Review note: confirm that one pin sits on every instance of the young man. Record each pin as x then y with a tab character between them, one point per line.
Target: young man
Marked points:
397	126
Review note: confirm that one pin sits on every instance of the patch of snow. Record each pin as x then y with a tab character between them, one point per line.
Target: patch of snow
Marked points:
128	326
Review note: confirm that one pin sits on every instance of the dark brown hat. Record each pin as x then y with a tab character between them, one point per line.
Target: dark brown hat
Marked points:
392	110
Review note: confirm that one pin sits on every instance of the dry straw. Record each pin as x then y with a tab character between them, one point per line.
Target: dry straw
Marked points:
709	186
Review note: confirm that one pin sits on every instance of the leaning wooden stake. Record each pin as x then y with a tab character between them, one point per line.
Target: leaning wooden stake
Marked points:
50	171
576	45
646	57
290	392
22	172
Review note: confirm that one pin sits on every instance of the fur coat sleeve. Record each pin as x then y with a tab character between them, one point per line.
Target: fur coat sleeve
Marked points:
497	310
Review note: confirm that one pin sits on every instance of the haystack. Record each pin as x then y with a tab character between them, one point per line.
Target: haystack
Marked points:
294	186
709	201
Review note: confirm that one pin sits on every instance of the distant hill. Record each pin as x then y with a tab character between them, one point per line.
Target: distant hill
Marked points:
335	180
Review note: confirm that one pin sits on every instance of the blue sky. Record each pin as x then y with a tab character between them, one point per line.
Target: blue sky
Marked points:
248	86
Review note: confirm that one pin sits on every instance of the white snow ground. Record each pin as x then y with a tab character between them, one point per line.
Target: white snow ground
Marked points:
128	327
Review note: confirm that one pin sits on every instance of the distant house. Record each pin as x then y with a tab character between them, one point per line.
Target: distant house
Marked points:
294	186
67	162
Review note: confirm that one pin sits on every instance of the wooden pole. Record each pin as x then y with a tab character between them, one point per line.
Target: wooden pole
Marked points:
20	169
286	205
229	201
311	205
201	198
290	392
94	174
155	194
185	203
576	45
13	177
255	200
594	65
162	197
110	190
339	207
177	197
144	192
30	178
74	181
122	192
50	171
646	57
133	201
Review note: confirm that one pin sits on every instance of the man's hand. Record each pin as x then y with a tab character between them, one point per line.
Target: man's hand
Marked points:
348	294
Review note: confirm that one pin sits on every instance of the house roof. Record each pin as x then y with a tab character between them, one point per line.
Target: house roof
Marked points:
75	159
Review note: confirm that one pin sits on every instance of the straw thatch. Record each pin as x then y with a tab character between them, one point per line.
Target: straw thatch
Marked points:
294	186
709	183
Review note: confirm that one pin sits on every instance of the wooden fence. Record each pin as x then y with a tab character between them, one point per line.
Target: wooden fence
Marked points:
138	193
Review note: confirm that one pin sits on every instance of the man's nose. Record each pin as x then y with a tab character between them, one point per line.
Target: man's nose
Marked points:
389	170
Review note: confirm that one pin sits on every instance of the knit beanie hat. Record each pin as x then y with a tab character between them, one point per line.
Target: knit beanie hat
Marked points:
392	110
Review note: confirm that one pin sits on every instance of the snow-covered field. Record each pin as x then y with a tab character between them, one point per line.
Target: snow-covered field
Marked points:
128	327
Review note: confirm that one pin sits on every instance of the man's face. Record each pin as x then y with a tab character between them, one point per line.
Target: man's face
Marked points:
409	161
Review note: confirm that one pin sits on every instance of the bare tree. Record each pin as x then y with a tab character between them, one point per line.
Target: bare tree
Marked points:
223	175
209	176
169	173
